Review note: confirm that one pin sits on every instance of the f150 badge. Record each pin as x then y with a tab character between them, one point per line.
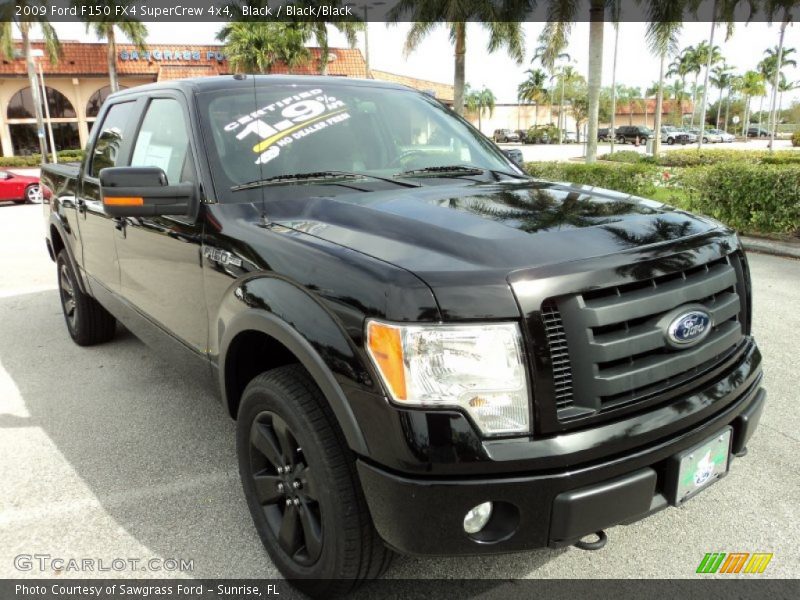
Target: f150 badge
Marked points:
688	327
221	257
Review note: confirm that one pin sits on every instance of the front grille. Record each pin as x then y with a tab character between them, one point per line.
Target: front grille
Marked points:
617	351
559	354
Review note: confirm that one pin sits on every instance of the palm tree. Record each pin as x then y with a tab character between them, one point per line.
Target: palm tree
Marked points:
318	30
533	90
560	18
134	30
304	28
722	10
258	46
773	74
566	75
549	61
721	79
707	55
772	8
649	92
613	124
752	85
785	86
681	66
504	26
665	21
52	50
478	101
734	87
694	63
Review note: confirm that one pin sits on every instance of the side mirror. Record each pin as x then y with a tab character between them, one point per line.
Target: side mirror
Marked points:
143	192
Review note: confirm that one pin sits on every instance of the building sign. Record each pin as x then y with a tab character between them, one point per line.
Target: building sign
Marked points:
184	55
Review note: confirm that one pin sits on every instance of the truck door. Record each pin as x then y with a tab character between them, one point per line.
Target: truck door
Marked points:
159	257
110	149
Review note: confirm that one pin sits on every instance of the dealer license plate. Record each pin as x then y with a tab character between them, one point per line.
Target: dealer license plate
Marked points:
703	465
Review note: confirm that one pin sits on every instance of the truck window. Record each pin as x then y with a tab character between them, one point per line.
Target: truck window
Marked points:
106	149
163	141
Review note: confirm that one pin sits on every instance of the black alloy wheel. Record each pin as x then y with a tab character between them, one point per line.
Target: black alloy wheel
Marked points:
286	489
66	288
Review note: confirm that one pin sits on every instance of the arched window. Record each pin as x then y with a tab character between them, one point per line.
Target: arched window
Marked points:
21	105
97	99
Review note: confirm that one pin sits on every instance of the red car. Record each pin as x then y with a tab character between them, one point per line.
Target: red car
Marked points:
19	188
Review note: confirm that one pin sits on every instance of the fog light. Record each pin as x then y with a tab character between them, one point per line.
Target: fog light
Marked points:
477	517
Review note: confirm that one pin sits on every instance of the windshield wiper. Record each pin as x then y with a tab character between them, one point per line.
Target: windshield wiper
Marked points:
314	176
443	171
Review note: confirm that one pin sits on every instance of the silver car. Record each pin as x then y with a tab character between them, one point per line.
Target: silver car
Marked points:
708	136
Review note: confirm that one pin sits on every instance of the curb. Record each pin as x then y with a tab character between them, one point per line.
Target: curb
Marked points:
775	248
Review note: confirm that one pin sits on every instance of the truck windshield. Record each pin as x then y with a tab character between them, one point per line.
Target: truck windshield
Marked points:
289	130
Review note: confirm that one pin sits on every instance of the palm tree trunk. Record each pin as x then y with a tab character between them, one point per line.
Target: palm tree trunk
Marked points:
659	105
614	87
458	78
719	107
760	110
596	25
773	116
35	92
694	101
746	124
727	108
561	111
111	55
705	77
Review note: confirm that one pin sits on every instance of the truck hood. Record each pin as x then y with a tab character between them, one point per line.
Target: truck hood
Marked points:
464	241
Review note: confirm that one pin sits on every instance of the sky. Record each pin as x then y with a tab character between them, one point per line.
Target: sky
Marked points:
433	59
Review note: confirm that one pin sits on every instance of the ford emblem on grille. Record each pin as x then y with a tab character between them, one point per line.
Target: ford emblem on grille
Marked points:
688	327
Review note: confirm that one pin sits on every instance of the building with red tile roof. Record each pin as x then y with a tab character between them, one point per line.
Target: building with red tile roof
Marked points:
77	84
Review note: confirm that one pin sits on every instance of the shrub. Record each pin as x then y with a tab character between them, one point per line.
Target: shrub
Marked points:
638	179
627	156
763	198
796	138
34	160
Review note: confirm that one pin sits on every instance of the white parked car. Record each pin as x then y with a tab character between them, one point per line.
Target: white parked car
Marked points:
708	136
726	137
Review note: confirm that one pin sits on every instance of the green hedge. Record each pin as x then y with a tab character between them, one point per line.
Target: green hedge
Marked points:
752	197
696	158
34	160
637	179
760	198
796	138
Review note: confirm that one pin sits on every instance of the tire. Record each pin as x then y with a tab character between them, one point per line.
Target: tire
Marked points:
313	520
705	140
671	141
33	194
620	140
88	323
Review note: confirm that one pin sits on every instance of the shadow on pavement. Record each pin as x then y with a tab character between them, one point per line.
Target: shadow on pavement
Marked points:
156	450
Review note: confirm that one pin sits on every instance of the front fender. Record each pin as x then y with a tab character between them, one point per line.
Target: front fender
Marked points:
291	316
68	240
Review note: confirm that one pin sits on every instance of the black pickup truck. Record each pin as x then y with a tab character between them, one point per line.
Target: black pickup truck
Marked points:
425	350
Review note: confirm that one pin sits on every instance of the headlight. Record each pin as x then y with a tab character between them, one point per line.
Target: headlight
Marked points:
478	368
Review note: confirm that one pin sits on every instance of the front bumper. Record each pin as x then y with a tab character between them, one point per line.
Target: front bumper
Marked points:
552	508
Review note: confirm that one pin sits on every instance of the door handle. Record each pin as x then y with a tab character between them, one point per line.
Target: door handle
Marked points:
80	204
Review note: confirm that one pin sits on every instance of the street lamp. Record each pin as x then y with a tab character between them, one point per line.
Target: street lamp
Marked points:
37	53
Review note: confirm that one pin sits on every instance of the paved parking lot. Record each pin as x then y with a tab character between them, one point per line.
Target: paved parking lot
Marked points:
105	453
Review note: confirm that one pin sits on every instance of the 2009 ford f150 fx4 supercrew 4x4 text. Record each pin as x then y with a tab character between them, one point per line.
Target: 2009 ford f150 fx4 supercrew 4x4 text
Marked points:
425	350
